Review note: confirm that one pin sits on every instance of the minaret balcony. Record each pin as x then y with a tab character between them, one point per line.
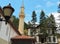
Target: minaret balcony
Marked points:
22	16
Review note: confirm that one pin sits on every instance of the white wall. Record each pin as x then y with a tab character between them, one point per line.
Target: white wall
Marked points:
51	38
6	31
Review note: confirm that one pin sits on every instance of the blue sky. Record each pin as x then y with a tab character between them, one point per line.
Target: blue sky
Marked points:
48	6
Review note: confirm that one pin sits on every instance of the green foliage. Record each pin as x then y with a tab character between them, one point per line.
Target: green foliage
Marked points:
25	29
52	20
42	15
42	22
16	22
52	24
25	25
25	32
42	18
34	19
47	22
58	35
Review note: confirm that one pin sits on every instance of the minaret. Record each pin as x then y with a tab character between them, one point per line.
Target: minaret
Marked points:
21	20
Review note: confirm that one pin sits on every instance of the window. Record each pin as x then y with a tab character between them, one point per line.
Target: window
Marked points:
53	32
42	40
54	40
49	31
49	39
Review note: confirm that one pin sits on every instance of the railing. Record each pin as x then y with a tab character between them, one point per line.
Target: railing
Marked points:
45	43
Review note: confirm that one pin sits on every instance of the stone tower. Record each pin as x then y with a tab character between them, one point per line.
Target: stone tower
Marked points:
21	20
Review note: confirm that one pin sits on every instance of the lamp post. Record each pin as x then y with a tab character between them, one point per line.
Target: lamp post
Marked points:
7	12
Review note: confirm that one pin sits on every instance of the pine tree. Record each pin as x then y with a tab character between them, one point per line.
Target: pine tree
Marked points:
43	25
42	18
42	21
34	19
52	24
52	20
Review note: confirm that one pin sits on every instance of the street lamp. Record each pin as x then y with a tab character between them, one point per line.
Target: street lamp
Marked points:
7	12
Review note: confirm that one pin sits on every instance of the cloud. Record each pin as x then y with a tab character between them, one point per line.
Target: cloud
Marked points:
56	14
49	4
38	11
38	6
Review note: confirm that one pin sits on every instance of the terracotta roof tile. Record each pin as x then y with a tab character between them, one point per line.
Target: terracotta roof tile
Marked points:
23	37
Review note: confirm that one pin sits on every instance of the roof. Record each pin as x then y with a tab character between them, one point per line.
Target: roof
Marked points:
10	23
14	28
23	37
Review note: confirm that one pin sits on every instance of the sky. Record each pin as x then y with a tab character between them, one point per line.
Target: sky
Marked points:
48	6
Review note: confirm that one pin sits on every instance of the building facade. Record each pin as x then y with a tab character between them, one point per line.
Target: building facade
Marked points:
41	38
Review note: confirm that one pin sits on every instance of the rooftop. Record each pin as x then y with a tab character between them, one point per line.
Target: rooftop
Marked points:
23	37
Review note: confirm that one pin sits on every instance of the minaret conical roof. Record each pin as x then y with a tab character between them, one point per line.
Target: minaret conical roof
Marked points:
22	8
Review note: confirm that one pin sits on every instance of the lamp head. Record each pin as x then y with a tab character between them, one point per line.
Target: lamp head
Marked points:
8	10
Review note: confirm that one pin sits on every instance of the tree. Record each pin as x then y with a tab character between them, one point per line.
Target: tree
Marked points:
52	24
52	19
47	23
42	16
16	21
25	32
34	19
25	29
42	22
25	25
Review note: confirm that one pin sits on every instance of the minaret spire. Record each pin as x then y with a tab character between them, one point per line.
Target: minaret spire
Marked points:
59	7
22	7
21	19
22	3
